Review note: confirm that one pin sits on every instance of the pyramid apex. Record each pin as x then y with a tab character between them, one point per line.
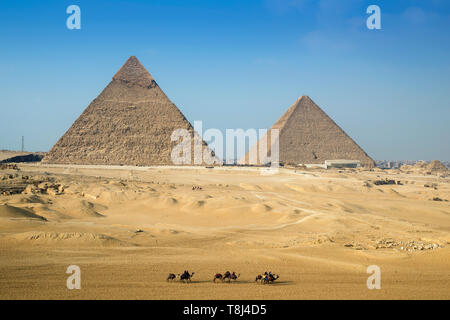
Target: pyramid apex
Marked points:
304	97
134	72
304	100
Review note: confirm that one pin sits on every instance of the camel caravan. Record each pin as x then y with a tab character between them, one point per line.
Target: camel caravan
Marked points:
226	276
184	277
266	278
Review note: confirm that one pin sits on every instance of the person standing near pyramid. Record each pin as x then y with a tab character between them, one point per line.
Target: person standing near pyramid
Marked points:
129	123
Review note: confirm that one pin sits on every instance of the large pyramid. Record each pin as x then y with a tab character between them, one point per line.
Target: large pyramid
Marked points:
307	135
129	123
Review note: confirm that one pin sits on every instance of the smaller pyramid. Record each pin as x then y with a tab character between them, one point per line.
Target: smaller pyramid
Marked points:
307	135
436	165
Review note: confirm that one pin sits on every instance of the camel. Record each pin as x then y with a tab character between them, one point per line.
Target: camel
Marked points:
218	276
186	277
234	277
270	278
226	276
171	277
266	278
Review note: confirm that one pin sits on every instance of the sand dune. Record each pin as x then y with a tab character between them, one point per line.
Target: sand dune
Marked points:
11	212
318	229
65	238
79	208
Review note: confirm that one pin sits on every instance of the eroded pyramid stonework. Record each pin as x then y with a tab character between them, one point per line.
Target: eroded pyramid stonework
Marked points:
129	123
307	135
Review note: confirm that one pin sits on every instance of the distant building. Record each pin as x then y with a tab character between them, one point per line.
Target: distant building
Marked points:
342	163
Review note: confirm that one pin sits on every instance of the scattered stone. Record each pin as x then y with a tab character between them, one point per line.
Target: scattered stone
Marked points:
367	184
384	182
31	189
356	246
12	188
323	239
406	246
90	196
42	186
348	245
52	192
11	166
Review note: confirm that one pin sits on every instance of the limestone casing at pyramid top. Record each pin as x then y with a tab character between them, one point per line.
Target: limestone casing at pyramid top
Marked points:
133	72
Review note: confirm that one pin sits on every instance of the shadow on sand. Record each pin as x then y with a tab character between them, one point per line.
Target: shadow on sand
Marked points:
238	282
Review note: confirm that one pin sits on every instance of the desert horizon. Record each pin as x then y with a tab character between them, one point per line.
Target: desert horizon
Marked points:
229	157
319	230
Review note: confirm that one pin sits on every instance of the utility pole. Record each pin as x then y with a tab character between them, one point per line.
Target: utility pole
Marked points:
22	143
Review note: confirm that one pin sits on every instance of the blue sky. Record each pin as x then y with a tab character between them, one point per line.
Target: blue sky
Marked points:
236	64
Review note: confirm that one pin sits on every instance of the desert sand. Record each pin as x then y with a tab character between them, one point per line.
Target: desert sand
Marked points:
128	227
